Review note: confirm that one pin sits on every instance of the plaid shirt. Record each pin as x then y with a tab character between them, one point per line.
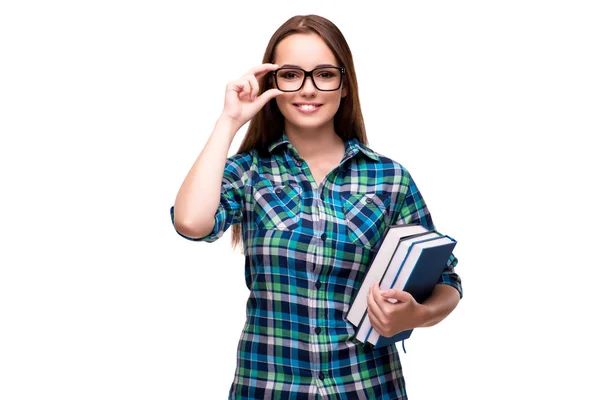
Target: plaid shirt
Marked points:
307	250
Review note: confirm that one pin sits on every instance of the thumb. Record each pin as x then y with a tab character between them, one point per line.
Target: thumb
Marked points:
268	95
395	294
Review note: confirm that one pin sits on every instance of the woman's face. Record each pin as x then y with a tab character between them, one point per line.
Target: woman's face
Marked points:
307	51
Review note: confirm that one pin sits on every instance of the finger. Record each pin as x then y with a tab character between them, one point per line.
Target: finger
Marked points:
245	89
236	85
374	320
379	299
254	85
389	295
373	305
262	69
268	95
399	295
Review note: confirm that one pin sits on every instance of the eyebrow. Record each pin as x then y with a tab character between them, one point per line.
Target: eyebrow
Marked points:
296	66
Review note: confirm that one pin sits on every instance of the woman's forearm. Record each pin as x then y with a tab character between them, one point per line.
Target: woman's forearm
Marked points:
199	195
440	304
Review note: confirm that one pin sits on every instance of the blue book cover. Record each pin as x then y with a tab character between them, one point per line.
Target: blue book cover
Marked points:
364	321
428	268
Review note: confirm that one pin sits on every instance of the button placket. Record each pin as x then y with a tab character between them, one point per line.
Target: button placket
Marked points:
319	220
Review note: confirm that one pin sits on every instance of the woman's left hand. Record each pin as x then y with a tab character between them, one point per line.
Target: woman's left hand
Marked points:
389	319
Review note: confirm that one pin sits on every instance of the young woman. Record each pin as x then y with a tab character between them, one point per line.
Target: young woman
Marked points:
310	201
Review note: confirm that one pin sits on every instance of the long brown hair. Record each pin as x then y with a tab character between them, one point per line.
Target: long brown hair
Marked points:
267	125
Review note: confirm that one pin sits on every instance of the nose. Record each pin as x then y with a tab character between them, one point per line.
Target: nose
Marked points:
308	88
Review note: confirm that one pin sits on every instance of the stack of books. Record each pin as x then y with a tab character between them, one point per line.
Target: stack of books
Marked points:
411	259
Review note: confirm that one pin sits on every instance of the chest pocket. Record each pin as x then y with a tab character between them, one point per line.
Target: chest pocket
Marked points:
365	215
277	206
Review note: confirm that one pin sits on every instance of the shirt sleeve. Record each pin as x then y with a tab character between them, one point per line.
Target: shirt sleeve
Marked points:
414	210
231	205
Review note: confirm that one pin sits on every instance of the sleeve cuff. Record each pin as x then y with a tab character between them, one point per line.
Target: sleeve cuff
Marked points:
211	237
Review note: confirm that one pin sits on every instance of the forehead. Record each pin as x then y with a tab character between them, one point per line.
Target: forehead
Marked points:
304	50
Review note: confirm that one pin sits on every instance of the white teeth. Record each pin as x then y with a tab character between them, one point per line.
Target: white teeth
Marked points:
307	107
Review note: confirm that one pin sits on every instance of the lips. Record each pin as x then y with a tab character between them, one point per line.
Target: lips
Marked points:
307	109
307	106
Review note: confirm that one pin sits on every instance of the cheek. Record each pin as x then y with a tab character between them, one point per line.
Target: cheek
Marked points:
334	103
284	103
334	98
285	99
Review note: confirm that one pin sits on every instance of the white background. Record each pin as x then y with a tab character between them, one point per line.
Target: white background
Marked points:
104	106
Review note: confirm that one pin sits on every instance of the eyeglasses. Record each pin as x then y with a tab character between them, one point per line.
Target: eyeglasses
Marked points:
325	79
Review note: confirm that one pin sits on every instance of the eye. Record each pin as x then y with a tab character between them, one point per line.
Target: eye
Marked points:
289	75
326	75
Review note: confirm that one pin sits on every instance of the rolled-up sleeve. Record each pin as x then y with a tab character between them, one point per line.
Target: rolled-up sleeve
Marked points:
413	210
231	205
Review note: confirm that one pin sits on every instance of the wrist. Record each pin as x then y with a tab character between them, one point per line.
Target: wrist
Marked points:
228	124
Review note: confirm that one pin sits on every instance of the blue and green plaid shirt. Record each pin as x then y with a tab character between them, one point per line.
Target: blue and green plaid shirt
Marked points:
307	250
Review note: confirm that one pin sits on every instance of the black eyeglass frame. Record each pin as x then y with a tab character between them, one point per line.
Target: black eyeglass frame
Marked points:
307	74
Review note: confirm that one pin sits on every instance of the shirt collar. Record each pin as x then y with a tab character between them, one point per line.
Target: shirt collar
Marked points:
353	146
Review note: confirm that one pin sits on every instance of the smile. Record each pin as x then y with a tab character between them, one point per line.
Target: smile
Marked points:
305	108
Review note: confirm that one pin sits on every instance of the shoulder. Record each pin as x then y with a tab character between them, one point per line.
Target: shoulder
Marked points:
248	158
241	158
238	166
392	168
393	178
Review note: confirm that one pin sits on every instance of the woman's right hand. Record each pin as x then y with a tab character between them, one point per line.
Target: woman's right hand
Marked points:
241	101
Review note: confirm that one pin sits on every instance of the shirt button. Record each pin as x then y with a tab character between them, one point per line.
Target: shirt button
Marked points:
321	376
369	200
324	236
317	330
299	163
318	284
278	190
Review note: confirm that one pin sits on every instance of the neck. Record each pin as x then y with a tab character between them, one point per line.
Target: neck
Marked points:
312	143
